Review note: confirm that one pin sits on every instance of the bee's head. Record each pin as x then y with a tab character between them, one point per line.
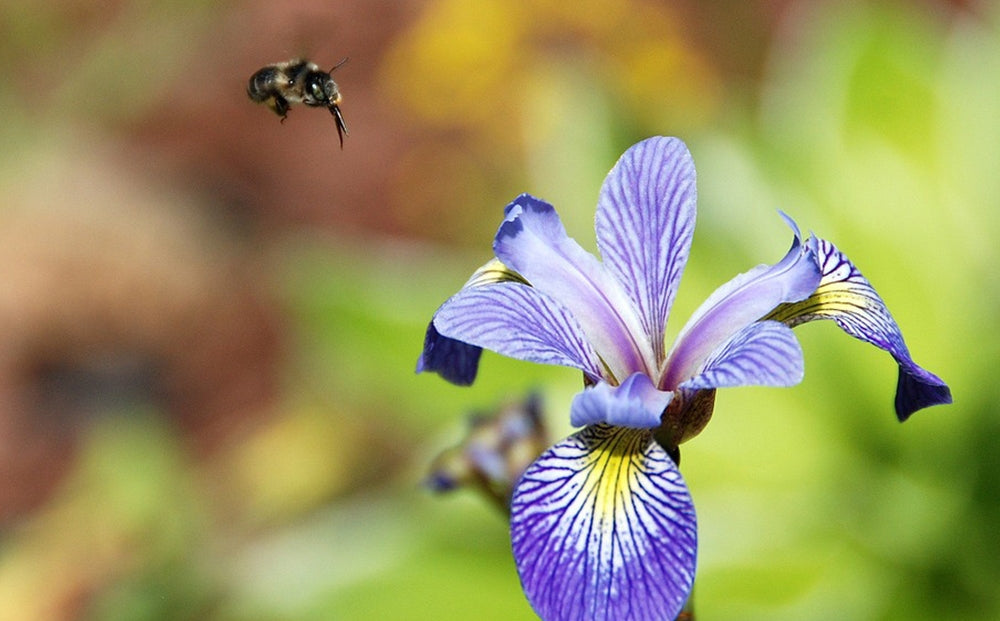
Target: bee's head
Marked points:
321	90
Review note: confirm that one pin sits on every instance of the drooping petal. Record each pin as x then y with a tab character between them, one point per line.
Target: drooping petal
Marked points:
635	403
739	302
765	353
453	360
517	321
603	529
533	241
845	296
645	222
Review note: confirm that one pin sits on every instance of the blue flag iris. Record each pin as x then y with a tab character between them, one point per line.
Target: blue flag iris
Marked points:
602	524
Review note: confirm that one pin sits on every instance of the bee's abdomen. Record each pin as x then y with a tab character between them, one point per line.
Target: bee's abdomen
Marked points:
261	85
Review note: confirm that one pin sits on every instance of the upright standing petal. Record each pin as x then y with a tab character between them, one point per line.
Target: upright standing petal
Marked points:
845	296
603	529
645	223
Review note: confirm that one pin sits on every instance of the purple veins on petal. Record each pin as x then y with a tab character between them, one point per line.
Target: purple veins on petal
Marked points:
738	303
533	241
517	321
765	353
845	296
454	360
645	223
603	529
635	403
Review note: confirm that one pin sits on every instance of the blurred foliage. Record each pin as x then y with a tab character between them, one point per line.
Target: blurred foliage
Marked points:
295	491
513	97
473	64
870	120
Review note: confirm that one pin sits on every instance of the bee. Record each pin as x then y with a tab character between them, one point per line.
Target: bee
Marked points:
298	81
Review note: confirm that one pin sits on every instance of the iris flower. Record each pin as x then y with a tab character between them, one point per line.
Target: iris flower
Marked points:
602	524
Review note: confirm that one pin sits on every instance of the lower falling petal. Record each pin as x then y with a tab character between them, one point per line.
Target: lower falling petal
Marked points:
603	528
845	296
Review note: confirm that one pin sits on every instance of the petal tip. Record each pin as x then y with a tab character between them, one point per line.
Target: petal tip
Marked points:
918	391
792	225
454	360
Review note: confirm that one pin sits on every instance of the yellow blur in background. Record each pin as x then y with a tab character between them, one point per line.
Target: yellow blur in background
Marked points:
209	320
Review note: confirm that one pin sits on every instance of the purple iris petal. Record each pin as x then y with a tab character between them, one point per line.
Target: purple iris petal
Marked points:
765	353
603	529
645	222
517	321
845	296
739	302
635	403
533	242
453	360
917	389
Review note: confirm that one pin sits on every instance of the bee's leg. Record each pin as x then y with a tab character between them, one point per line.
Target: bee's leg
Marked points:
341	125
280	106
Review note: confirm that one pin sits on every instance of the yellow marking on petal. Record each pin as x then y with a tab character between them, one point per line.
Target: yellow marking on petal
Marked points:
492	272
602	528
830	299
613	470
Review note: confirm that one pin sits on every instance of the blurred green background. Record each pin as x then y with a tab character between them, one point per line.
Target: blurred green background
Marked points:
209	320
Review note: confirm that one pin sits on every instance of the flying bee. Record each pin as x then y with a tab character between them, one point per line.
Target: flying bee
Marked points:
298	81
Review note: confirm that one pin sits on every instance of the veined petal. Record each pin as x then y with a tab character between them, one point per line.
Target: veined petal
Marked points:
454	360
603	529
645	222
845	296
765	353
517	321
533	241
739	302
635	403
